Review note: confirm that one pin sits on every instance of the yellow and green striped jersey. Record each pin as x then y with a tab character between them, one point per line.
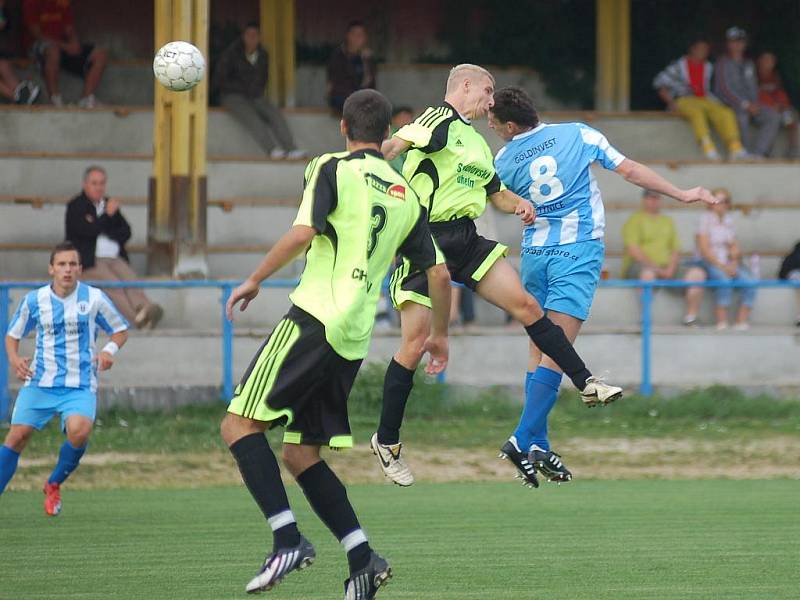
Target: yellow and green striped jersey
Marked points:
449	164
365	214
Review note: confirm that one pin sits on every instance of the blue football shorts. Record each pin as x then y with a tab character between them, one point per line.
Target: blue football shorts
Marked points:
35	406
564	278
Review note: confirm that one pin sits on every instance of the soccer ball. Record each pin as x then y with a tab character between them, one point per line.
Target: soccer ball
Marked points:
179	66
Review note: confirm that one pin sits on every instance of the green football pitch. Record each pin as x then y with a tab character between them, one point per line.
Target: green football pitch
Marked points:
646	539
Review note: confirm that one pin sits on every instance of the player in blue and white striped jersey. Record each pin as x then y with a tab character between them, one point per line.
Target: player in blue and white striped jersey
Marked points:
563	250
62	376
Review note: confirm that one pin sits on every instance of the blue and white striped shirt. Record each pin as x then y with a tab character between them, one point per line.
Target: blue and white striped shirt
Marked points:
66	334
550	165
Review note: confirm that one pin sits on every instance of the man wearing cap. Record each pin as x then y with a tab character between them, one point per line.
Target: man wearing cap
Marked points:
736	84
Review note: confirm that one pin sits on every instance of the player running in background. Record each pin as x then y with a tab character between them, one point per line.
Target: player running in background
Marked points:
357	213
62	376
450	167
562	252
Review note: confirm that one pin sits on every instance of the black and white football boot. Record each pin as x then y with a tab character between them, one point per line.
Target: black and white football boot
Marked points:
549	464
525	468
364	584
279	564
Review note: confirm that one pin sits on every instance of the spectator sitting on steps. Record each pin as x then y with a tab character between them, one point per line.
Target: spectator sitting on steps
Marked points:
772	93
351	67
684	86
96	227
652	251
720	255
736	84
11	88
52	24
241	77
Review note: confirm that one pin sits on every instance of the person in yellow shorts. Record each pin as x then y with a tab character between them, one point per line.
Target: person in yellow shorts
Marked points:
685	88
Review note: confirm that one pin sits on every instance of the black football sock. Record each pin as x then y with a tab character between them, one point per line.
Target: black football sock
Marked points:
328	497
262	476
553	342
397	386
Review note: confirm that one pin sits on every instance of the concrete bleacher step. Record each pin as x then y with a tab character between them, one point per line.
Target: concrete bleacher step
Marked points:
645	136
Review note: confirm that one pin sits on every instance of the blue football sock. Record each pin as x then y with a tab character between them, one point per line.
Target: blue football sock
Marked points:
68	459
8	465
541	392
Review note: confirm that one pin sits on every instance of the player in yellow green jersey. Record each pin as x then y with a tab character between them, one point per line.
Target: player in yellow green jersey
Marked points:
450	166
356	215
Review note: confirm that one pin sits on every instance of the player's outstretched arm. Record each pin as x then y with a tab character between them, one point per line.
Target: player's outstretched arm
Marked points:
291	244
394	147
20	364
105	359
436	344
643	176
509	202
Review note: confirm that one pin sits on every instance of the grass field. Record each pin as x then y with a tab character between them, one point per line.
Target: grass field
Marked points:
588	540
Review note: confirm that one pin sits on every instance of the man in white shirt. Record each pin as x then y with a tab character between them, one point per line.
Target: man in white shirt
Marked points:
97	228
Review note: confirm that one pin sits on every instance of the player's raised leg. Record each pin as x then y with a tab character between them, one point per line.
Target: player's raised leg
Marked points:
328	497
502	287
16	440
415	323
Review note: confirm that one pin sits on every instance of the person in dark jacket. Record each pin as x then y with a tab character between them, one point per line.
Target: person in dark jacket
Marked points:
97	228
790	270
351	67
241	78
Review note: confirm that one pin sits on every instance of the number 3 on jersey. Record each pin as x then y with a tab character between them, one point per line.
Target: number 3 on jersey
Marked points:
545	186
378	222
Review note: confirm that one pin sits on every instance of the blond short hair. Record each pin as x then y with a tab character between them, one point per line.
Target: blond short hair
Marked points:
462	71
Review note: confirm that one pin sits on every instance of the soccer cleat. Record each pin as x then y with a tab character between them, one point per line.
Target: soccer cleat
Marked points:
525	468
279	564
549	464
392	464
52	499
598	391
364	584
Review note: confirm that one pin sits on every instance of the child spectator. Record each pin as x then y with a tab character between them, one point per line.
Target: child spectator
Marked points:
684	86
52	25
772	93
719	253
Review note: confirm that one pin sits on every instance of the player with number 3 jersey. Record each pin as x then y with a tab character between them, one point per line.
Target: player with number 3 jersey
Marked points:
563	250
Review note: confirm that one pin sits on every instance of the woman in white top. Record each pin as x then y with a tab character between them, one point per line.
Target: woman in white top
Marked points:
721	257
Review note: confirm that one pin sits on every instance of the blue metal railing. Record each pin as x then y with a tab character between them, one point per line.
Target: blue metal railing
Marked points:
227	286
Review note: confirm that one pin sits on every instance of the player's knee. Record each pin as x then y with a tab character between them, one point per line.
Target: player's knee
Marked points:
78	435
18	438
527	310
229	429
411	351
298	458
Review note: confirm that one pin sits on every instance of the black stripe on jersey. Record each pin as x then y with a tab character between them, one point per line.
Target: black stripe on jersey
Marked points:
427	167
437	113
326	194
309	170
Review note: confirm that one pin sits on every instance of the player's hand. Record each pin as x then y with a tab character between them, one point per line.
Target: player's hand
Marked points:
698	194
438	348
21	365
104	361
245	292
112	206
526	212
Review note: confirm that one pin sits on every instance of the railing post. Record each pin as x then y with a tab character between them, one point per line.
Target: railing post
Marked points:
646	386
227	347
5	396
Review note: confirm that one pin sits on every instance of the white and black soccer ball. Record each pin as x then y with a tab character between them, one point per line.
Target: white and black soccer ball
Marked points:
179	66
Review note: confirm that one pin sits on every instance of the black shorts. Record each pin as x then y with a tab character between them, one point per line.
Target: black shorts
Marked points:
296	379
469	257
77	64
